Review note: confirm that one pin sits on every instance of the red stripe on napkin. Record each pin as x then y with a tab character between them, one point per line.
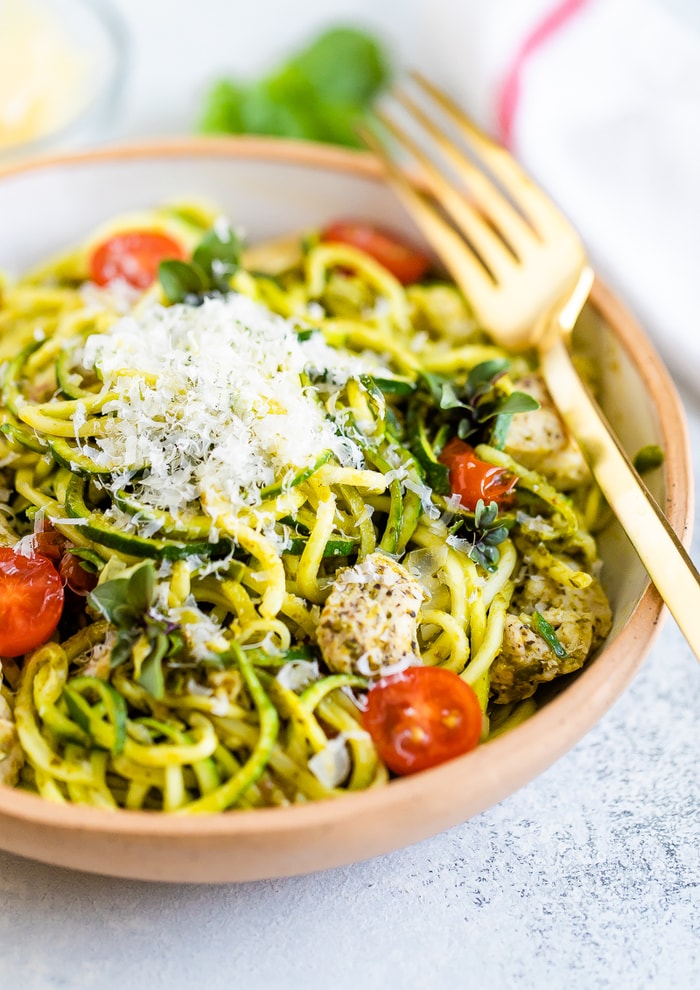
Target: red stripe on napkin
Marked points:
509	94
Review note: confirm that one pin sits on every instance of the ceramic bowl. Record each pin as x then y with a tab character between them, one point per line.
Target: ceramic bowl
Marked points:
270	188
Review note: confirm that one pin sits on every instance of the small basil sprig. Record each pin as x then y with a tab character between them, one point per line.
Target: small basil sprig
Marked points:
486	530
479	407
214	261
126	602
320	93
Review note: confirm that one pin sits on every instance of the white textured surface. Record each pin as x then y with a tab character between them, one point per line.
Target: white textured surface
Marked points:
588	878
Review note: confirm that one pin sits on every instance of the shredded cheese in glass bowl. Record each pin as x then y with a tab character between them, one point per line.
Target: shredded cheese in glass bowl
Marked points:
61	68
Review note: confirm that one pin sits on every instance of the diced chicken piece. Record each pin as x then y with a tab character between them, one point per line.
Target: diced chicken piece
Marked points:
580	618
540	440
370	620
11	755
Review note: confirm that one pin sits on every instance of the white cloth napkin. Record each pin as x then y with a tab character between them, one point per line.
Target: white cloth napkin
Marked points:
600	101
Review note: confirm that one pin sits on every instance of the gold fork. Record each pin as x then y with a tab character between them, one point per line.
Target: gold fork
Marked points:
525	272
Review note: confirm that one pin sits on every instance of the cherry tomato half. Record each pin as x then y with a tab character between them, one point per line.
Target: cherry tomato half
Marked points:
422	717
405	262
473	479
31	602
75	576
47	542
134	256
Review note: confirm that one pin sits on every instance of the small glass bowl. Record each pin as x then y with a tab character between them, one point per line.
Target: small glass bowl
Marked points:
72	60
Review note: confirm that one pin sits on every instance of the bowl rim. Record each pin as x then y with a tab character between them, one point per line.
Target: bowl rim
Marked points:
548	734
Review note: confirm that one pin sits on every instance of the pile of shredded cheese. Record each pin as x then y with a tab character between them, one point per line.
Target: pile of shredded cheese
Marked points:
42	74
213	400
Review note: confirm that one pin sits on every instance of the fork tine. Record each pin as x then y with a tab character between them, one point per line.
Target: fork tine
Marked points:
488	245
536	206
466	269
510	224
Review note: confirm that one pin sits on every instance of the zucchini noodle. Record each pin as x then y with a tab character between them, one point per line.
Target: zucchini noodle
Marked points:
226	468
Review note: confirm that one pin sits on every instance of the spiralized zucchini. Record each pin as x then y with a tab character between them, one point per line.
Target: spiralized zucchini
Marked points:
191	679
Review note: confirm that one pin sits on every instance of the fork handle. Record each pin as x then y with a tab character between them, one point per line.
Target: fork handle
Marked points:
665	559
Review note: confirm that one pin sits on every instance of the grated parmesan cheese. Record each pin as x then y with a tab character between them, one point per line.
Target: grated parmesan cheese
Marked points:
212	399
332	764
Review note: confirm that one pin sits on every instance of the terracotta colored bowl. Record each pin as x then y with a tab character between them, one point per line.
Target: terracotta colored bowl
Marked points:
272	187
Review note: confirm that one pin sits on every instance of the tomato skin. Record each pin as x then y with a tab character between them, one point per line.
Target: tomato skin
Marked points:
405	262
31	602
422	717
48	543
74	575
134	256
473	479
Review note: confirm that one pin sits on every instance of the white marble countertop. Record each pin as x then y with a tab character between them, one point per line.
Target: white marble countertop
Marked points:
587	878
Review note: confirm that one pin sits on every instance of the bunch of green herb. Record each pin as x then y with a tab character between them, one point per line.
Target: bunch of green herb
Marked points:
214	261
126	601
479	411
485	530
319	94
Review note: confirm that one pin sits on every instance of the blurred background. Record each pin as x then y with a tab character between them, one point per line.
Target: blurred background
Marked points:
157	61
600	100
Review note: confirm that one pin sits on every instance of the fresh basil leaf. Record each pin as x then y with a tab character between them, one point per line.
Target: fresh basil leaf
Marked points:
509	405
449	398
465	429
435	385
140	589
485	374
346	65
499	431
479	555
218	256
495	536
151	676
319	94
110	599
124	600
176	642
121	651
517	402
222	109
393	386
180	279
485	514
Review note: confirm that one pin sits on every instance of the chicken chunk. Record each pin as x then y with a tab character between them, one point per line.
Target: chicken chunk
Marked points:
11	756
540	440
370	620
580	618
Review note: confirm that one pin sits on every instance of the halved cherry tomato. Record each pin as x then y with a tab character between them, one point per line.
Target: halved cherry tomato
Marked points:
31	602
422	717
405	262
473	479
79	580
47	542
134	256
